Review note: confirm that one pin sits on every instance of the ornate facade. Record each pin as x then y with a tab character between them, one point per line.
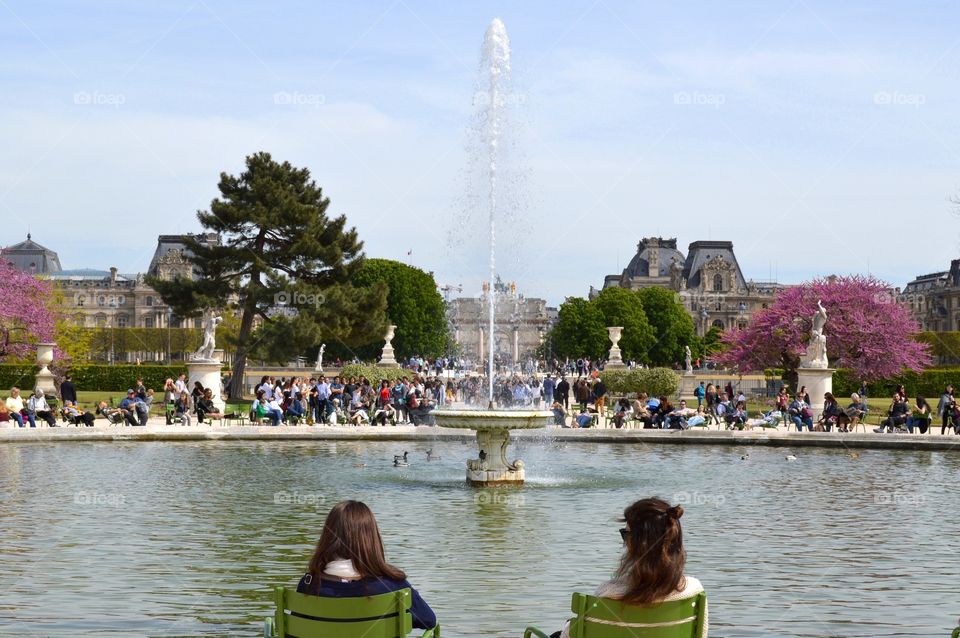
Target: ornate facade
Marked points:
707	280
520	324
934	300
107	298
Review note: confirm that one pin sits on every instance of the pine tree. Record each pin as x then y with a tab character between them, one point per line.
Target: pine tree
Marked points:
282	263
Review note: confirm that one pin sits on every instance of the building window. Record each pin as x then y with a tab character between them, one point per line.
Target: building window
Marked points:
122	321
149	301
718	324
101	300
174	321
101	321
81	299
148	322
718	282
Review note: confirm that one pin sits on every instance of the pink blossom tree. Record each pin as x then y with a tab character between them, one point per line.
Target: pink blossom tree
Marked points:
867	331
26	316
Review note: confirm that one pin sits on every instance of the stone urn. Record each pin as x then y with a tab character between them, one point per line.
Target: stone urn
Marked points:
387	359
45	379
614	359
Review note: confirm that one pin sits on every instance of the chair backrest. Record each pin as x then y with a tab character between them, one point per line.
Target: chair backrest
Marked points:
306	616
607	618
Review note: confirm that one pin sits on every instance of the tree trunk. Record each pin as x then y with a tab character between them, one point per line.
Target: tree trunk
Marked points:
246	327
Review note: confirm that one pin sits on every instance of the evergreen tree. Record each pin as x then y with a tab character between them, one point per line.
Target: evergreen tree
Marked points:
282	263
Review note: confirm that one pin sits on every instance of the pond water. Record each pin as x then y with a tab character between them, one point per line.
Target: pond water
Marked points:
186	539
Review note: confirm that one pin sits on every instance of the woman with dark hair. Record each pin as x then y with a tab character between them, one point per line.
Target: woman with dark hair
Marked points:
831	413
349	562
651	568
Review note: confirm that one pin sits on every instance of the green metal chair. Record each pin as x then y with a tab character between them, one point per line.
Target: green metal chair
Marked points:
306	616
956	633
607	618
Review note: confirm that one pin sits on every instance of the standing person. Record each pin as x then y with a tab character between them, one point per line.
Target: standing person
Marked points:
729	390
68	393
651	569
323	400
563	392
181	384
349	562
581	393
549	387
600	396
944	408
398	395
700	393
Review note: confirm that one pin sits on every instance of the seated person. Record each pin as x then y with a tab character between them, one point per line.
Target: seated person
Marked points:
351	530
641	412
677	419
386	412
131	412
800	413
206	408
771	418
335	412
113	415
74	415
295	408
559	414
37	407
699	418
584	419
737	417
4	413
17	409
181	408
651	568
419	409
920	418
896	416
621	412
852	414
831	413
359	410
661	416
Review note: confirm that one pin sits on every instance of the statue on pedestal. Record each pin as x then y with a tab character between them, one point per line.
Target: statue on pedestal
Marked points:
816	355
319	366
687	360
210	322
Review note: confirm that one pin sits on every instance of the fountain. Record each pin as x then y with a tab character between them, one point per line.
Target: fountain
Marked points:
493	426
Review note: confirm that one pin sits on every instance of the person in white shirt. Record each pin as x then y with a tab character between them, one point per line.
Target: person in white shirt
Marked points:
37	406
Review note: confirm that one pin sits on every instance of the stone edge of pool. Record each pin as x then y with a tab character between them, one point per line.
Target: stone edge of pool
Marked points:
409	433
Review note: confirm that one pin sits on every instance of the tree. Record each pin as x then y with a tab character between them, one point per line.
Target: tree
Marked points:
579	331
282	263
672	326
414	305
622	307
867	331
26	315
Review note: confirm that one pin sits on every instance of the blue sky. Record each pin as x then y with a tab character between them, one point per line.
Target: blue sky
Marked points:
819	137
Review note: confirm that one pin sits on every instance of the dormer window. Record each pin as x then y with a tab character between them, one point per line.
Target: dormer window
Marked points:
718	282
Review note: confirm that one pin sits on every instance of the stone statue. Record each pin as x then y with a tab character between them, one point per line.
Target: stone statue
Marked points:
816	356
210	322
688	359
319	366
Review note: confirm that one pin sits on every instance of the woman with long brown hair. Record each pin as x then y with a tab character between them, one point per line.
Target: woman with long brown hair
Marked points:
651	569
349	562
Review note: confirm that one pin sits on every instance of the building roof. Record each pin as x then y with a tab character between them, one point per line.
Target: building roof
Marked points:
31	257
700	252
639	266
166	243
89	274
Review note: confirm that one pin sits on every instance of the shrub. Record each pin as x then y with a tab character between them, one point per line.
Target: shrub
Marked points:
94	377
929	383
653	381
373	373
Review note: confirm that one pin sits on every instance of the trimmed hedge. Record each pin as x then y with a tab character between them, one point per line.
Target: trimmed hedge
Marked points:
373	373
930	383
653	381
115	378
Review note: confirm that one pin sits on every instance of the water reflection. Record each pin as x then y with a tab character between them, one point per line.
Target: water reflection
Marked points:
186	539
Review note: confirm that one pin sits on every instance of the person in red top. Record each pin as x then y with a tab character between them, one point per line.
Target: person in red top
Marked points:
383	396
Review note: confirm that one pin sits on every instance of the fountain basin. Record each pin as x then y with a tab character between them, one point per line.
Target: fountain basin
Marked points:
491	467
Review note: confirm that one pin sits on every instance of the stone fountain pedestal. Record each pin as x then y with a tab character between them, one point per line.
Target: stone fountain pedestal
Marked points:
491	467
208	373
818	382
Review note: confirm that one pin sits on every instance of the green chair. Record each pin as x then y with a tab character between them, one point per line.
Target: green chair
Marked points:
956	633
235	412
607	618
306	616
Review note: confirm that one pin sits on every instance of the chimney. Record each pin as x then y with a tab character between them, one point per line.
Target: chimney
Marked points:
113	274
653	257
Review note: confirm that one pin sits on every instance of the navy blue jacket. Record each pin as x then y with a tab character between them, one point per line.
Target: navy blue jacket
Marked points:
423	616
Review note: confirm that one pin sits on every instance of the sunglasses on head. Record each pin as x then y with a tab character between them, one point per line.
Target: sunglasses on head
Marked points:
624	532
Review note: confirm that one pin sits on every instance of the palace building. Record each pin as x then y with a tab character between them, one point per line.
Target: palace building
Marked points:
708	281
